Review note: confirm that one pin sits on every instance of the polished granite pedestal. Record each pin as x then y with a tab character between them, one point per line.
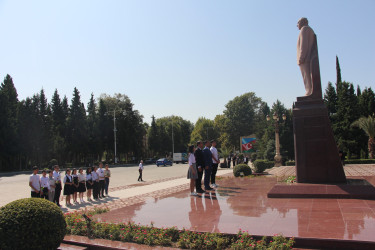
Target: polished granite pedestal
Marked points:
316	153
352	189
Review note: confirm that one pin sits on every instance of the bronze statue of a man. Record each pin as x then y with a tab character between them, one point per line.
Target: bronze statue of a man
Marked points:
307	59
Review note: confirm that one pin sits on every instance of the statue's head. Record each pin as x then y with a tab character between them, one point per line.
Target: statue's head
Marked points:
302	22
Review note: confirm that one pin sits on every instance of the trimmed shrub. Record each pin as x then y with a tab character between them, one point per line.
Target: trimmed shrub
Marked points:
31	223
261	165
290	163
241	168
253	157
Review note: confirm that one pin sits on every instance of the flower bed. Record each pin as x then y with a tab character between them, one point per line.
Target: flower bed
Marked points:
150	235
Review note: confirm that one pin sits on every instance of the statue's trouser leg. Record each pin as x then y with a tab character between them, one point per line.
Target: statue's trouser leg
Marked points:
306	75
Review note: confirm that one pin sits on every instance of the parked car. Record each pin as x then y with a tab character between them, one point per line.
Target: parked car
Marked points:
163	162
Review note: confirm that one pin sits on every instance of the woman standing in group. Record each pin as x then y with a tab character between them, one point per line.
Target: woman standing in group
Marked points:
192	172
107	175
68	188
82	184
89	183
75	185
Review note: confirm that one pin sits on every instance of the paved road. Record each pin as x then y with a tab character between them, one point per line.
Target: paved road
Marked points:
17	186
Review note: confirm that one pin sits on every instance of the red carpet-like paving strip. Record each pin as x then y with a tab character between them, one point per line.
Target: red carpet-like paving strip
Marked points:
120	203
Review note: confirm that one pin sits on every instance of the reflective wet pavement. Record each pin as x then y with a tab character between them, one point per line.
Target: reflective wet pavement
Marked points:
242	203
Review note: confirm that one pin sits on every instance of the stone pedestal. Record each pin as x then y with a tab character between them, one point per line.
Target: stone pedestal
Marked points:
316	153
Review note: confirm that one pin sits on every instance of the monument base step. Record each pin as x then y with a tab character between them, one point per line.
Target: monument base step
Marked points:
353	189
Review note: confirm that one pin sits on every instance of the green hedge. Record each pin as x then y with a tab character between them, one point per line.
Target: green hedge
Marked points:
290	163
31	223
351	161
360	161
241	168
261	165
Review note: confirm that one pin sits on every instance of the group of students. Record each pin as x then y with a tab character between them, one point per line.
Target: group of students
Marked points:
95	182
236	160
205	158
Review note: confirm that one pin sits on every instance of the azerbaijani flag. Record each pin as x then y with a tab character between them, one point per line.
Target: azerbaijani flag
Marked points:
247	145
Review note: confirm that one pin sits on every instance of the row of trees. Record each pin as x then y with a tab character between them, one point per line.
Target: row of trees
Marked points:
345	106
34	131
246	115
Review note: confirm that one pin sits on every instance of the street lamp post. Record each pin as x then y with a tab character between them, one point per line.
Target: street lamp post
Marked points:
277	157
172	141
115	130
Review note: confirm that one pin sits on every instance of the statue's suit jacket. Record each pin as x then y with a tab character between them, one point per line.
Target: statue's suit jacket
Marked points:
305	42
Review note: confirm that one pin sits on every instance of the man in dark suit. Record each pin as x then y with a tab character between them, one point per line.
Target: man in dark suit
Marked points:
200	166
207	155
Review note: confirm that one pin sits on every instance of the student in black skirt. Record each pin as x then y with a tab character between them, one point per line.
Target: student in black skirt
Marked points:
68	188
89	183
75	185
82	184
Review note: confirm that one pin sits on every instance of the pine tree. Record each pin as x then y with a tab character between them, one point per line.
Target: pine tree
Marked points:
330	100
105	129
367	102
93	132
45	142
347	113
77	136
338	73
153	137
8	124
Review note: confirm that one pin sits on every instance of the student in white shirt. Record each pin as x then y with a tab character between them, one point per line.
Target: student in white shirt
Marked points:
82	184
44	185
52	186
89	183
215	163
34	183
100	173
68	187
75	185
58	188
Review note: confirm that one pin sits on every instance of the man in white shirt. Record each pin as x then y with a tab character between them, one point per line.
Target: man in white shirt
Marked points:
58	187
140	170
101	176
215	162
34	183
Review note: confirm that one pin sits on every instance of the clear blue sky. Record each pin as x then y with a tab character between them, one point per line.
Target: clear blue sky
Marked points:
186	58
